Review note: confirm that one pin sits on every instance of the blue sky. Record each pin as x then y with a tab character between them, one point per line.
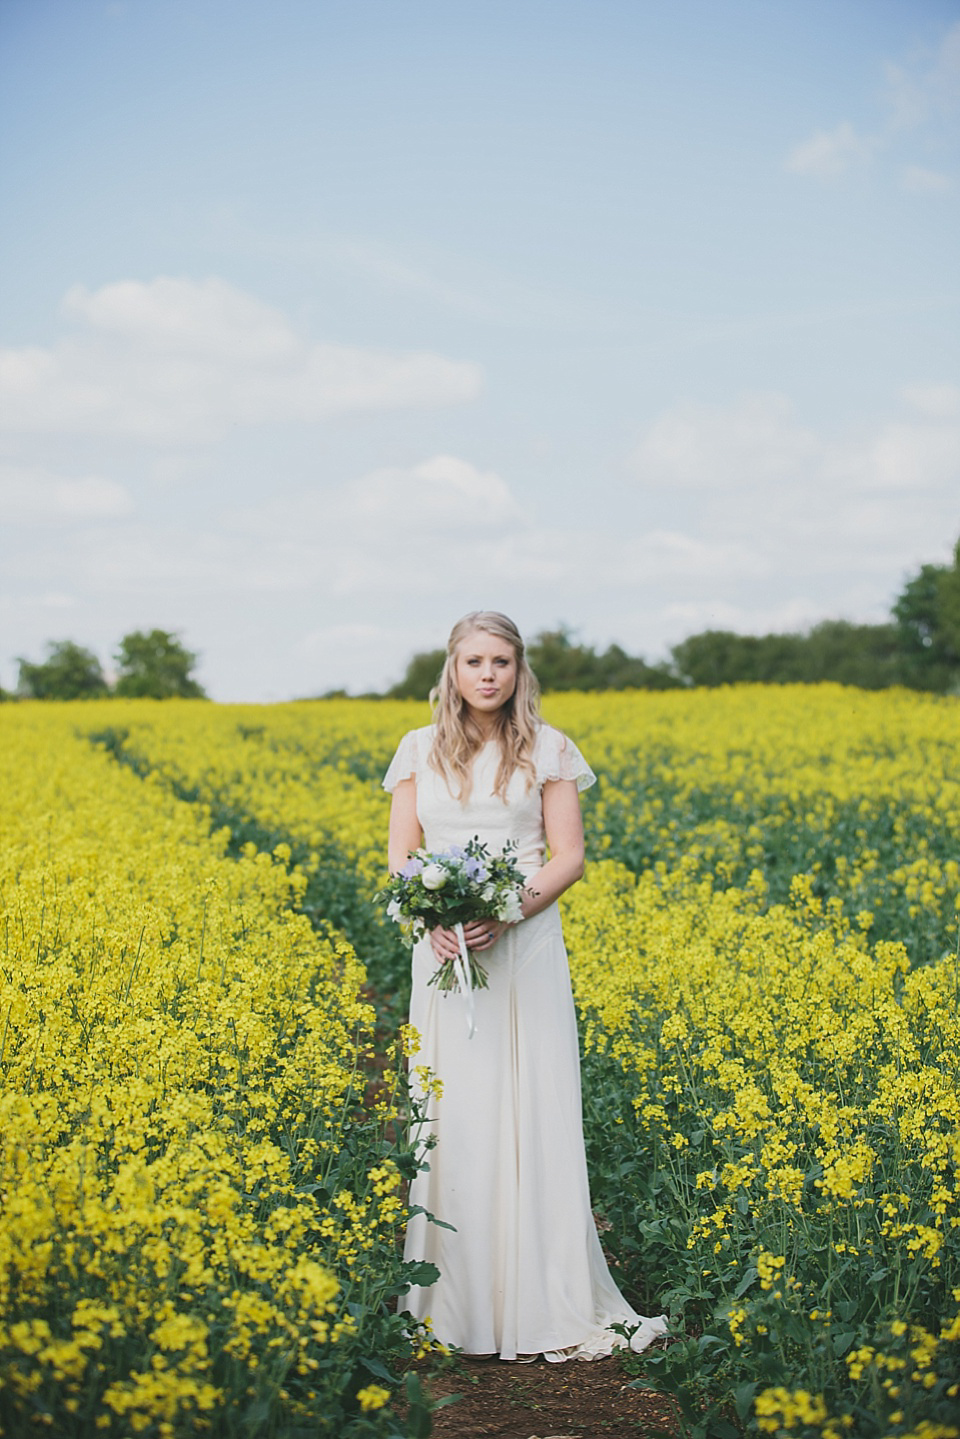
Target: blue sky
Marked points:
323	323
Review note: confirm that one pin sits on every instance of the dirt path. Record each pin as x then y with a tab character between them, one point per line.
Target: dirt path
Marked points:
546	1401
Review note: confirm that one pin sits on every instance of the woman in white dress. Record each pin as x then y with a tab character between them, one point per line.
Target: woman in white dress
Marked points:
521	1270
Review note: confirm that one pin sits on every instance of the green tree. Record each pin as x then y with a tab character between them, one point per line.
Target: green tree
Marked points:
716	657
155	665
560	664
69	672
619	671
421	675
950	603
864	655
926	614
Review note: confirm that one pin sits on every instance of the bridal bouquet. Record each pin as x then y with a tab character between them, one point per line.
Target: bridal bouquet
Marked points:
451	888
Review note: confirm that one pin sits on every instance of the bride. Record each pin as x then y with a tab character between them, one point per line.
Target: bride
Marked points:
521	1268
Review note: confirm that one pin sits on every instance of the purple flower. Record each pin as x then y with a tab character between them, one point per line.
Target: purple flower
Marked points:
475	869
413	866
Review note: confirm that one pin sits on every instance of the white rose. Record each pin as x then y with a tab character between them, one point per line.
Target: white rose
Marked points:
511	908
434	876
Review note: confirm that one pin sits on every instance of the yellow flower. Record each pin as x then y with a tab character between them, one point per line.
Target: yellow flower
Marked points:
374	1396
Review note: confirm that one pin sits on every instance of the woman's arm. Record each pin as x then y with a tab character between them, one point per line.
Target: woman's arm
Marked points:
563	826
405	831
406	835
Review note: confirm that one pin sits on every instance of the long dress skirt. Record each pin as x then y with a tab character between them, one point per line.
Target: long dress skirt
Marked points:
521	1270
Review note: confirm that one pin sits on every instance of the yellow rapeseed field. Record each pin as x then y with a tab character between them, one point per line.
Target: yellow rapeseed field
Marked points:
764	955
196	1220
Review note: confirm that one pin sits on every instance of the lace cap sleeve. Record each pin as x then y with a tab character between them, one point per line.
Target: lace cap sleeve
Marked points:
559	758
405	763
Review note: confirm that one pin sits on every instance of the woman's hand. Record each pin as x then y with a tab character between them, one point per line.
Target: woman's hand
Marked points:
479	934
484	933
444	942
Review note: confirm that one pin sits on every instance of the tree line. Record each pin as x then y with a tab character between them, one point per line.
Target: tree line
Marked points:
918	647
151	664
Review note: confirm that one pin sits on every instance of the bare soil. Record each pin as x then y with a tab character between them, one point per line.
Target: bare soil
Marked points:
546	1401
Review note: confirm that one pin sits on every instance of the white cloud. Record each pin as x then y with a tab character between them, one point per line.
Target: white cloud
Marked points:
389	533
918	455
437	525
915	457
383	539
442	494
754	443
927	85
758	445
799	504
667	555
362	656
36	496
687	618
922	91
741	517
178	361
53	600
188	318
940	402
925	182
632	561
828	154
746	498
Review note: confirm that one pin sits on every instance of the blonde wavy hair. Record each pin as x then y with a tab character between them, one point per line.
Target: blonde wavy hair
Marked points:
458	737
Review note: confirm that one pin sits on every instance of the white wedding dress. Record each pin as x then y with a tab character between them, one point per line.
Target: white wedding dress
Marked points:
521	1271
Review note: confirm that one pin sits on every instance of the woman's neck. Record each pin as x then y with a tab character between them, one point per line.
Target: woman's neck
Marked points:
487	724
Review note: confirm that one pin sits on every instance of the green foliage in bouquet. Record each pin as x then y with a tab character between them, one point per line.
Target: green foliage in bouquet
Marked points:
450	888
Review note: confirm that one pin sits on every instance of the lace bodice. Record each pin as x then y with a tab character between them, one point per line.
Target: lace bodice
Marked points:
445	821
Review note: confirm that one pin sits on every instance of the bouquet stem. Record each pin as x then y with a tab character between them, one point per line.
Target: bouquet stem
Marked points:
464	974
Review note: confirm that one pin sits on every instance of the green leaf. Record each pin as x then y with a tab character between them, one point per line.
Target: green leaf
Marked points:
377	1368
421	1272
745	1283
711	1341
743	1397
418	1411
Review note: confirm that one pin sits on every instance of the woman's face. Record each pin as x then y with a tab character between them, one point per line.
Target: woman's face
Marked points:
486	672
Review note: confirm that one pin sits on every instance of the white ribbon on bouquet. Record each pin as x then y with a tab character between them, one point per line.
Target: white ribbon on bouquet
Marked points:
464	978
